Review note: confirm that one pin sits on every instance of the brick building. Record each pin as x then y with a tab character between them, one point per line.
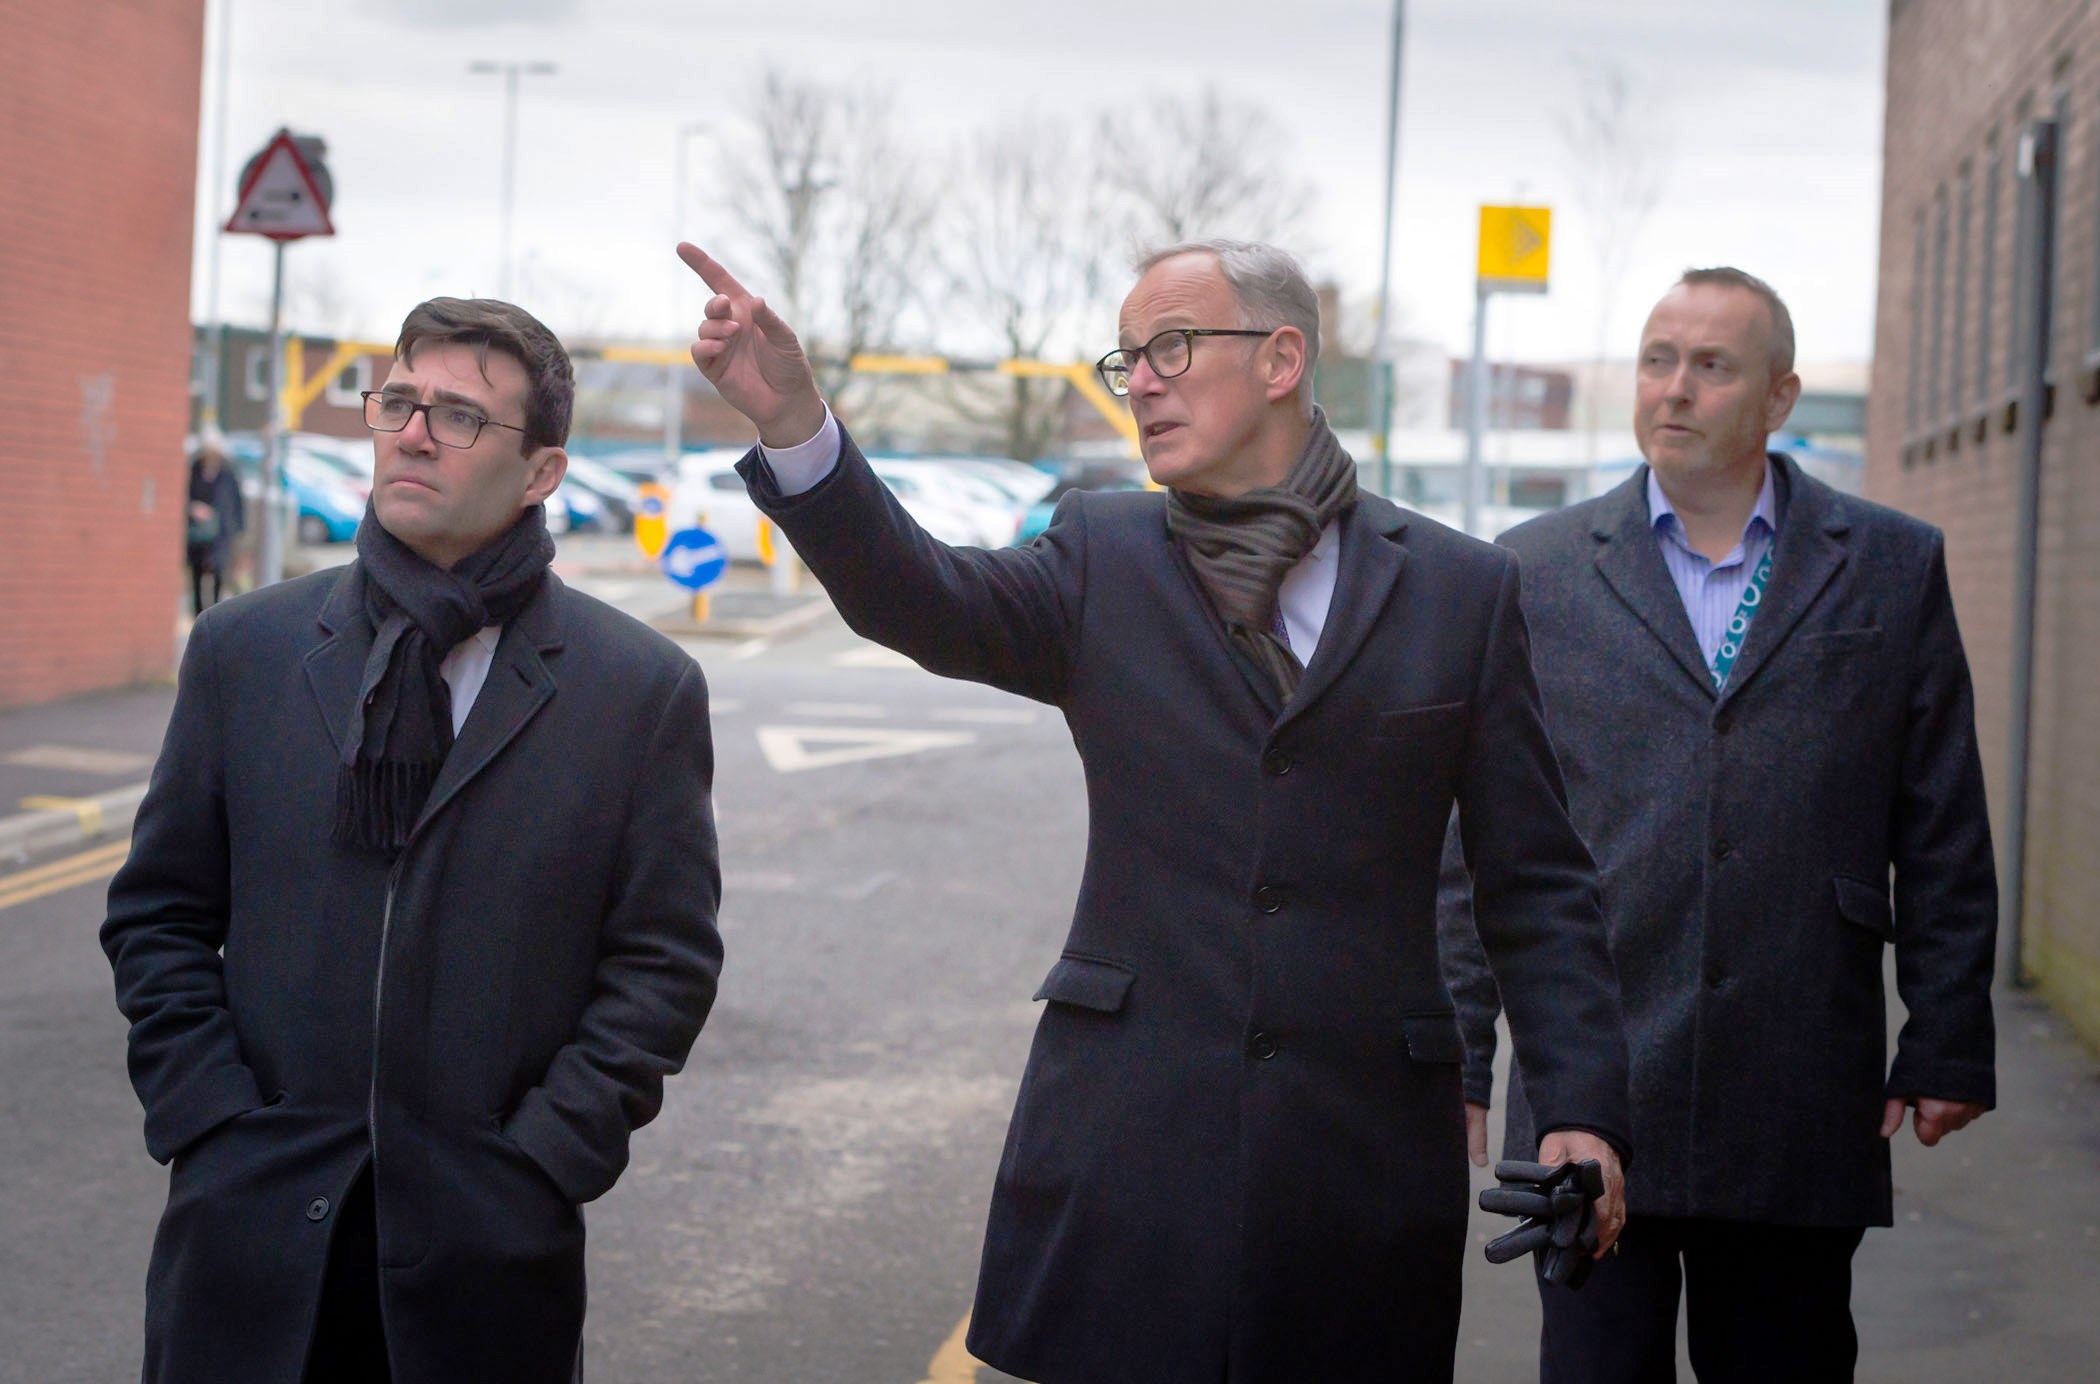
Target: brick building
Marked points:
1965	79
98	134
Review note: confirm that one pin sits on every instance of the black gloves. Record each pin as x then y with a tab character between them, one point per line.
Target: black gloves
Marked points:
1558	1206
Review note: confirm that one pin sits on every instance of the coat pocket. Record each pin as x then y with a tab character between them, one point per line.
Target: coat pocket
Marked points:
1866	905
1841	643
1439	722
1088	982
1433	1037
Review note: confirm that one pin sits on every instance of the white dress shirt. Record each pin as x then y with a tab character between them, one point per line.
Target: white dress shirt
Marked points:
466	668
1307	591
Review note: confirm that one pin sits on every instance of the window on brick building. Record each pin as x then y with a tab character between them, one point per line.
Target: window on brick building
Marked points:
1958	340
1936	354
1987	274
2016	319
2092	329
2060	311
1912	394
347	384
255	372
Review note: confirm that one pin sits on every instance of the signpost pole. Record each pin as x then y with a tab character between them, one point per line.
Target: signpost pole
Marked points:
285	192
1476	408
270	558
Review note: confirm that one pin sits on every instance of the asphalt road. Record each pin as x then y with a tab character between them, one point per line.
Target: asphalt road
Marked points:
901	856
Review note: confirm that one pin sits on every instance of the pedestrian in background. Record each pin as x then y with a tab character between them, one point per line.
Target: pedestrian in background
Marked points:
215	517
1757	691
1239	1149
408	941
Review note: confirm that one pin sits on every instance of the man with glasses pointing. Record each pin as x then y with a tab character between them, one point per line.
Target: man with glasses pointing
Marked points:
409	937
1239	1148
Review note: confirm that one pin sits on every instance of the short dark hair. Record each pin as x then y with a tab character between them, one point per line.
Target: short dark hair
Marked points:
1727	276
490	324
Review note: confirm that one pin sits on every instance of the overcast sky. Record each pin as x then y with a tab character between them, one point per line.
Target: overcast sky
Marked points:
1767	116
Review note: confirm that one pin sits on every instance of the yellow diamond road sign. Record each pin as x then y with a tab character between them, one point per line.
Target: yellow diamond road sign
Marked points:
1515	247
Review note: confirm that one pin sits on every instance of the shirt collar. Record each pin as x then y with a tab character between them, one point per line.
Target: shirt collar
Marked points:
1667	525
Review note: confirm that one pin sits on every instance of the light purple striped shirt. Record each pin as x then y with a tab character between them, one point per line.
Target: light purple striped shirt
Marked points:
1710	590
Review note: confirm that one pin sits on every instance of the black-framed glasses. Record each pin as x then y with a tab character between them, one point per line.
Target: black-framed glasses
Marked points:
450	425
1169	354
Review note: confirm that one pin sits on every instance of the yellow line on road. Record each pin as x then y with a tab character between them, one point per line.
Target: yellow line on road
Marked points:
953	1363
73	871
87	810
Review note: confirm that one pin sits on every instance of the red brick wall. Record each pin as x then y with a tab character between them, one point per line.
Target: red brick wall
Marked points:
98	137
1959	70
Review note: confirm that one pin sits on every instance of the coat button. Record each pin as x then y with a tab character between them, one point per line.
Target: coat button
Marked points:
1262	1046
1268	898
1715	974
317	1209
1276	762
1722	849
1723	722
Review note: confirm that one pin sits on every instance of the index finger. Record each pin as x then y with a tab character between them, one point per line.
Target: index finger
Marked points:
710	270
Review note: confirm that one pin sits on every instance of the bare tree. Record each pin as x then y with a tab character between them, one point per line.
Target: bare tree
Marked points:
1210	166
835	212
1024	262
1618	160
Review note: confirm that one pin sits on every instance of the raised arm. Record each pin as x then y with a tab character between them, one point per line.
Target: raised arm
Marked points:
1000	616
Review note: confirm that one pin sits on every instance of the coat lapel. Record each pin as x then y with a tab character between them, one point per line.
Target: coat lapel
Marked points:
518	685
1369	562
1812	524
335	667
1206	612
1631	563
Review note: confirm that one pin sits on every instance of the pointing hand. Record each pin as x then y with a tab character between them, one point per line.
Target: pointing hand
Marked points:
752	358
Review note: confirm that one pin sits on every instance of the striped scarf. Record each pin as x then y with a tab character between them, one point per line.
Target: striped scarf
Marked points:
1241	547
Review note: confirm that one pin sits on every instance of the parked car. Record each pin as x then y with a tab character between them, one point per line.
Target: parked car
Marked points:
954	507
1025	483
329	505
708	493
1042	511
620	499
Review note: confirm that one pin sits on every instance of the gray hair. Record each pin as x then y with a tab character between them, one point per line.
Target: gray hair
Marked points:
1727	276
1269	283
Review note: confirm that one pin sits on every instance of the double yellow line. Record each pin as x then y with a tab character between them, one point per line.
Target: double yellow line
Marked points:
85	868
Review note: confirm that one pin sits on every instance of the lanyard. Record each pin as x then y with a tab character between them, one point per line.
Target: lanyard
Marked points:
1739	624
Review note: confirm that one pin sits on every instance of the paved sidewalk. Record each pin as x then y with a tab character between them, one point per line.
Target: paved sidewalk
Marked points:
1992	1270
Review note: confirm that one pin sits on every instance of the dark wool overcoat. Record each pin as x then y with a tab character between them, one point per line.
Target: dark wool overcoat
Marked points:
1759	848
1238	1153
484	1019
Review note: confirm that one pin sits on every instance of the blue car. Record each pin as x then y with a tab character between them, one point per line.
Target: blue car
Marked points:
329	505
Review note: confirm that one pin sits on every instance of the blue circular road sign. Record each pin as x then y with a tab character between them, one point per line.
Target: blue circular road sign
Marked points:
694	558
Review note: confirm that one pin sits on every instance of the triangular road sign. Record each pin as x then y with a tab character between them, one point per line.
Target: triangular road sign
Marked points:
791	748
280	197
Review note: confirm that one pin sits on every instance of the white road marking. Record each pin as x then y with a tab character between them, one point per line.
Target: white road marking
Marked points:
873	656
988	716
852	710
790	749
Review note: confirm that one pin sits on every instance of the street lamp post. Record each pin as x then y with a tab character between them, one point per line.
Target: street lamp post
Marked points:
675	375
510	72
1381	386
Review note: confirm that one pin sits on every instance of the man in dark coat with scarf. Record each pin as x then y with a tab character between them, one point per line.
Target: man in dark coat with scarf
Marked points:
1238	1152
419	913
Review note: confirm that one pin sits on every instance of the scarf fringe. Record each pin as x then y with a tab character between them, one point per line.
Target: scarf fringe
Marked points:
377	802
